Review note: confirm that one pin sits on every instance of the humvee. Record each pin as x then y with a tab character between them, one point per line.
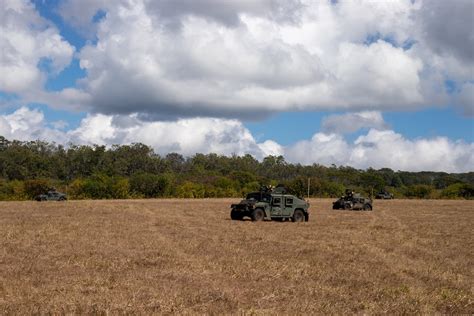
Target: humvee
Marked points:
384	195
271	204
51	196
352	201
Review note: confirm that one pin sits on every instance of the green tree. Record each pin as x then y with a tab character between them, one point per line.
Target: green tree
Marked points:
421	191
150	185
458	190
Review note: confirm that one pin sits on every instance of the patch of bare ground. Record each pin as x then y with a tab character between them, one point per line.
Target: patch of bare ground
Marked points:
187	256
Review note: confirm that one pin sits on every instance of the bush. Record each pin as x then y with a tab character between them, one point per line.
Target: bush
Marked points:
100	186
33	188
150	185
190	190
458	190
76	189
12	190
421	191
332	189
120	189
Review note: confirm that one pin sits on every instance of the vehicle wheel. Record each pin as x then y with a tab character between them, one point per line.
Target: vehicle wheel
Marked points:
235	215
61	199
347	206
367	207
298	216
257	215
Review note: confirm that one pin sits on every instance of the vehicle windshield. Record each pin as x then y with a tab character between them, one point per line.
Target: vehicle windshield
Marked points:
259	196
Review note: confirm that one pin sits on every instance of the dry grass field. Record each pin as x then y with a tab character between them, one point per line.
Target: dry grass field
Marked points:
187	257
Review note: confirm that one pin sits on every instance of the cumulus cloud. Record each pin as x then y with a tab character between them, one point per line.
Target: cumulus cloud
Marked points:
448	27
186	136
376	149
242	59
246	59
28	42
351	122
26	124
385	149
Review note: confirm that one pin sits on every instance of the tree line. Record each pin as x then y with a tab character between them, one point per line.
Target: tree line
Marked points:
136	171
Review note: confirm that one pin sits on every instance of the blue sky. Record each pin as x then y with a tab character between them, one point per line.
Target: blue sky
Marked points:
246	78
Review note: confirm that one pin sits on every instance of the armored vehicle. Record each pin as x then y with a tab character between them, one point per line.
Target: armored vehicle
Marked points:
352	201
271	204
384	195
51	196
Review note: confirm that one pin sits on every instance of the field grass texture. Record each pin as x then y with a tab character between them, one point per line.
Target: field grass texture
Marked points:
187	256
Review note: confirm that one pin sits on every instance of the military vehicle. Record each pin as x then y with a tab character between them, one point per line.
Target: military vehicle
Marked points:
352	201
52	195
384	195
271	204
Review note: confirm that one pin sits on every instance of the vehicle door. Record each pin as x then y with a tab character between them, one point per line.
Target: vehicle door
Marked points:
288	205
276	205
358	203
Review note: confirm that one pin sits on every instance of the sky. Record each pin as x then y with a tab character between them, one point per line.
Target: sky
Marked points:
367	84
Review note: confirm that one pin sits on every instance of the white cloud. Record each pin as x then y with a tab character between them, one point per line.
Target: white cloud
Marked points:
25	124
351	122
377	149
26	40
243	59
171	59
186	136
385	149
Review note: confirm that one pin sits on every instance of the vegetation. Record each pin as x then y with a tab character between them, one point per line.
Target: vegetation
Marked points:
136	171
185	257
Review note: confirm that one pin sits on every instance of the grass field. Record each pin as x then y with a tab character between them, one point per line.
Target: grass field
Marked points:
187	256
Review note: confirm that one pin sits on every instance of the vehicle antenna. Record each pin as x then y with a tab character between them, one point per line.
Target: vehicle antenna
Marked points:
309	184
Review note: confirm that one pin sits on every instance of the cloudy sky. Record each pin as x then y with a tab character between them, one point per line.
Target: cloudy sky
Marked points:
360	83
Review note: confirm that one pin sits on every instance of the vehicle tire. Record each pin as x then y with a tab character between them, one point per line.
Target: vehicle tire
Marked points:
367	207
61	199
257	215
298	216
235	215
347	206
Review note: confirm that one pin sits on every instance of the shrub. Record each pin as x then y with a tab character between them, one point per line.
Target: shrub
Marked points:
150	185
458	190
421	191
76	189
100	186
190	190
12	190
36	187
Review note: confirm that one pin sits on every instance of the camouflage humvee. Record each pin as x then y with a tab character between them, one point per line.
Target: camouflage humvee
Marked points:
271	204
352	201
384	195
51	195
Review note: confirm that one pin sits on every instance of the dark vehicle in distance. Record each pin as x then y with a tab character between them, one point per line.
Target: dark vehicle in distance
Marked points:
51	196
384	195
352	201
268	204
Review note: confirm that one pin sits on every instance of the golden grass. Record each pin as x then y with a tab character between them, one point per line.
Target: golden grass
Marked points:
187	256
